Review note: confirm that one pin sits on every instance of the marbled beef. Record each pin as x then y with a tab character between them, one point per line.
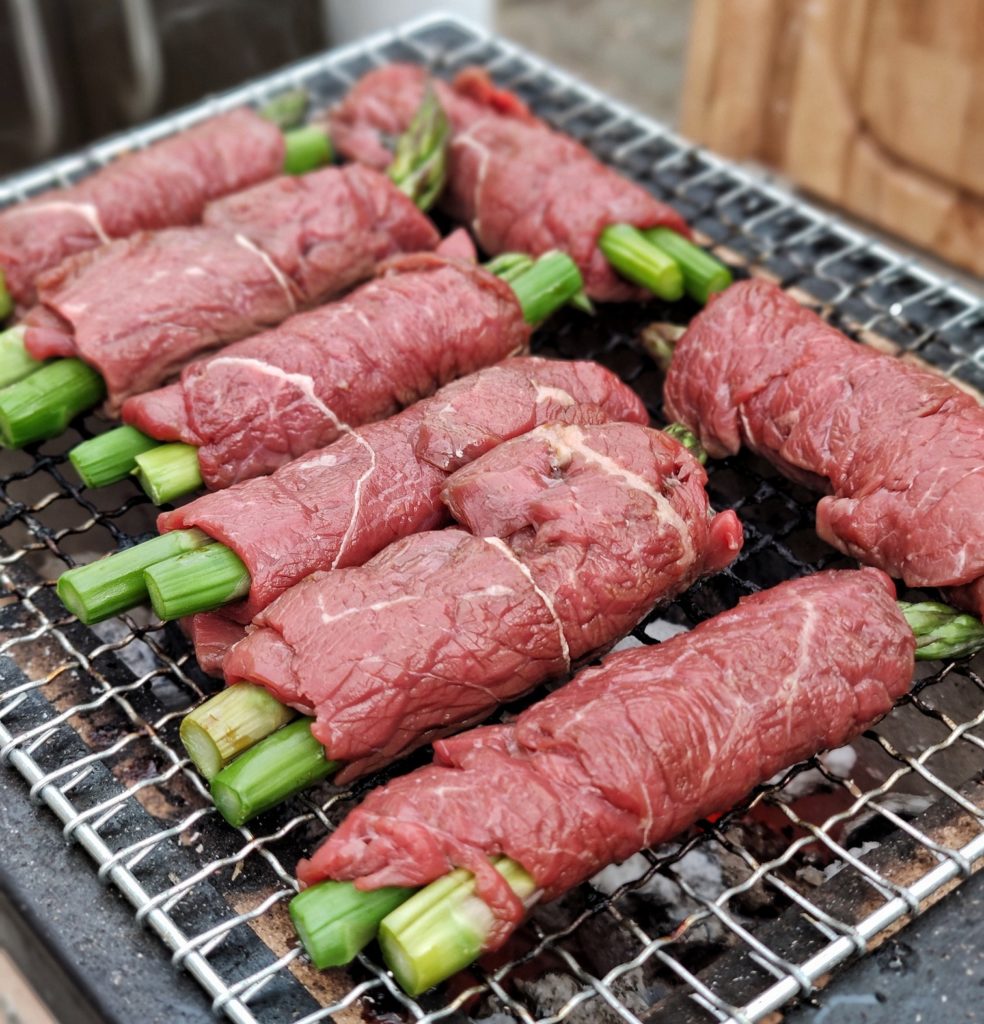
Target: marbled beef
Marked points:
630	753
898	449
341	505
518	184
139	308
576	531
261	402
165	185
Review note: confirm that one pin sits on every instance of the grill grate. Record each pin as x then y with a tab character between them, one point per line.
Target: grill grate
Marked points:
740	916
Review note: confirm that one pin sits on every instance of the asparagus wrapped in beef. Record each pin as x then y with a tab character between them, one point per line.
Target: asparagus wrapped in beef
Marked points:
135	311
625	756
898	450
519	185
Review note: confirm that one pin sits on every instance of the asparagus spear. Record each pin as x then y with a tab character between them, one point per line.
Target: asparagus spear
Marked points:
444	927
419	166
6	300
229	723
335	920
15	363
166	471
286	762
702	273
43	404
109	457
101	589
305	149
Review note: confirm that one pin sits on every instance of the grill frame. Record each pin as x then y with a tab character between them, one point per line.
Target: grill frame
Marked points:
31	722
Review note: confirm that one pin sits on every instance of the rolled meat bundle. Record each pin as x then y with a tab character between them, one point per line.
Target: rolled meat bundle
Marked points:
139	308
341	505
575	532
518	184
165	185
898	450
268	399
631	752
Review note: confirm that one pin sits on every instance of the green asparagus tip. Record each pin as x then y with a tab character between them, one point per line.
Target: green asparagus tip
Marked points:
6	300
113	584
509	265
551	282
42	405
443	928
167	472
229	723
196	582
111	456
287	109
942	633
277	767
305	149
660	340
419	166
688	439
336	921
15	363
702	273
638	260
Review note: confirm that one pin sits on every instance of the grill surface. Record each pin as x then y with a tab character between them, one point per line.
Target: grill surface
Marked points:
733	921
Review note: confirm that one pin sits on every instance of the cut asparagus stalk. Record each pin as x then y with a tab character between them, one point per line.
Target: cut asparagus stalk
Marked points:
96	591
550	283
305	149
942	633
6	300
636	258
168	471
336	921
15	363
419	166
111	456
702	273
43	404
444	927
229	723
196	582
286	762
659	341
688	439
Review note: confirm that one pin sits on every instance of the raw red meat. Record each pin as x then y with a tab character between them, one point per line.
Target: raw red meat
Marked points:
575	532
632	752
266	400
898	449
517	183
341	505
165	185
139	308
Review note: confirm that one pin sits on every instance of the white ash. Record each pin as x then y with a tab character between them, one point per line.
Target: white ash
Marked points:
699	870
838	762
860	852
661	629
554	990
627	643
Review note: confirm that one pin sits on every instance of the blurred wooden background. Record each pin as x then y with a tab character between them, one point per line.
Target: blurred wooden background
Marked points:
875	105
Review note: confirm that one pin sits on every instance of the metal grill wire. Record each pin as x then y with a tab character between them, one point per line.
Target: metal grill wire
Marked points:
89	717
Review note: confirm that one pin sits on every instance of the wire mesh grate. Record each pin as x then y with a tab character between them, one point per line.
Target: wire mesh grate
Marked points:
727	923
